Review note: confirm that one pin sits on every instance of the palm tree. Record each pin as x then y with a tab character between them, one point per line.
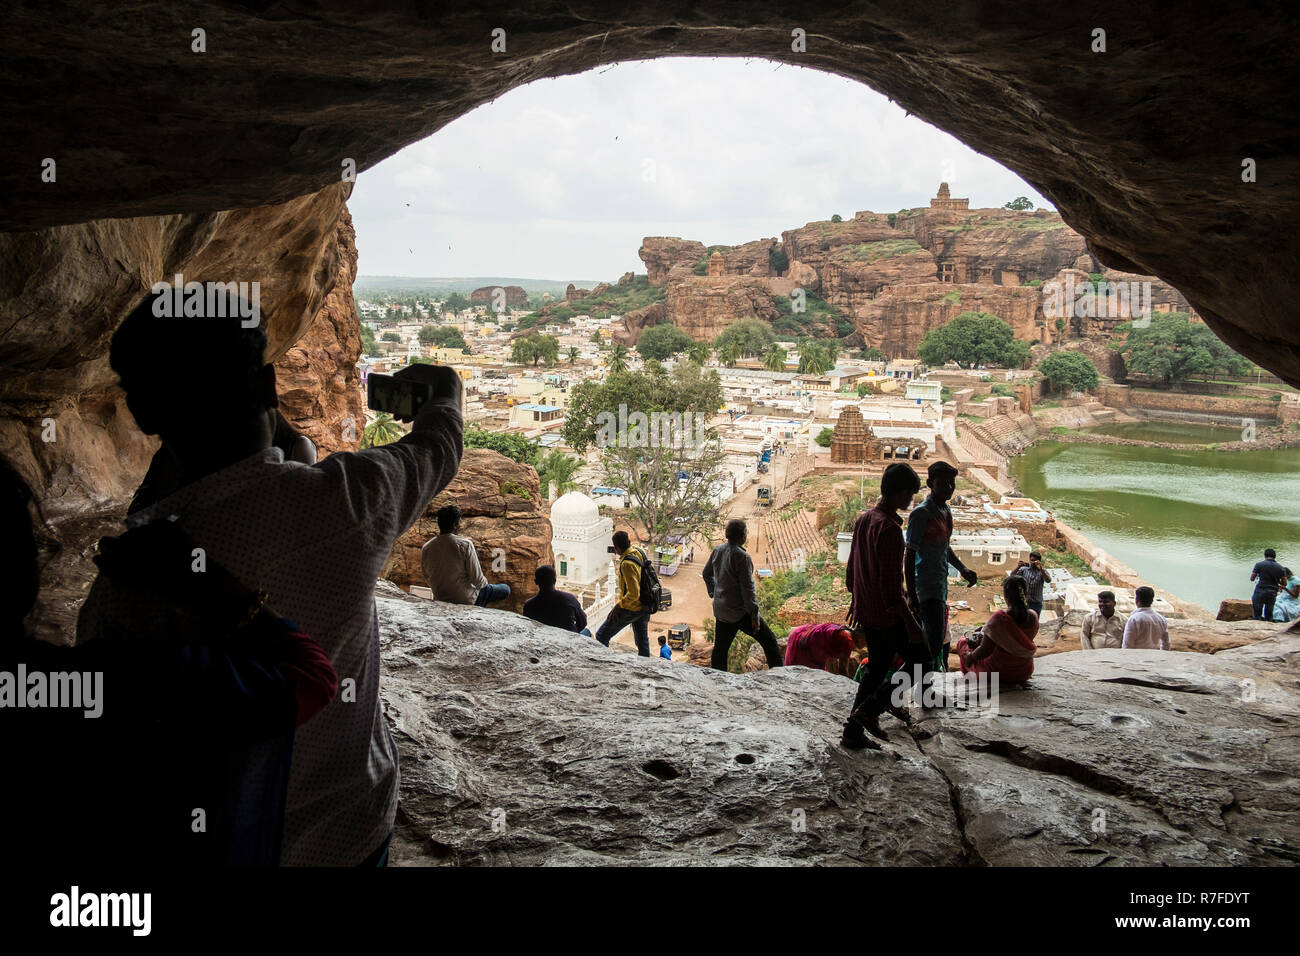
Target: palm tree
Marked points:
618	358
699	352
730	353
559	468
380	430
573	354
774	360
832	352
813	360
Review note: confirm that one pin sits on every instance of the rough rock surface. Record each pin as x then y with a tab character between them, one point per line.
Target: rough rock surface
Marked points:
503	514
638	320
296	94
702	306
65	289
661	253
318	381
522	744
516	295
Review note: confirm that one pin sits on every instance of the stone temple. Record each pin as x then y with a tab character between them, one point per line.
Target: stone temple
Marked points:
853	441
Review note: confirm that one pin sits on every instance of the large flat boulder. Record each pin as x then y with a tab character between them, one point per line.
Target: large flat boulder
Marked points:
521	744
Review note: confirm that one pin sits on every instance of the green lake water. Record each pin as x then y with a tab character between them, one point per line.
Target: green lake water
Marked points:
1191	521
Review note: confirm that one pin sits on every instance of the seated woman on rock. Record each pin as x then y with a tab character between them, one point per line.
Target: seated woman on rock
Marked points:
1287	605
816	645
1007	647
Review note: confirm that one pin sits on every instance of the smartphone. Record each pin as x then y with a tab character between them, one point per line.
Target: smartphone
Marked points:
400	397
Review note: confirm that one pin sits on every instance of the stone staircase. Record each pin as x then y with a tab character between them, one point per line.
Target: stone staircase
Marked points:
785	538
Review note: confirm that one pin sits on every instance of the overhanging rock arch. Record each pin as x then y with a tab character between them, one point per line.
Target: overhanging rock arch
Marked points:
1140	147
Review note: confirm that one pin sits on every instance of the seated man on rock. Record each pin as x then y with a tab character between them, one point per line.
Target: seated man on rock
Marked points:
309	540
451	566
556	608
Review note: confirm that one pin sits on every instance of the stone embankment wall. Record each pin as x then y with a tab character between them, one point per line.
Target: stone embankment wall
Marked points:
1123	397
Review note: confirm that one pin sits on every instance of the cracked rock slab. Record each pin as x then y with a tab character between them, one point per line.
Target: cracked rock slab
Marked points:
522	744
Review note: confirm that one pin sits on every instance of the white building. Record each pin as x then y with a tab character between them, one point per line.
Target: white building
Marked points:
579	537
988	551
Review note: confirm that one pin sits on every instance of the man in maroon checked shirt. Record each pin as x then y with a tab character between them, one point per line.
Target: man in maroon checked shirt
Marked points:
879	605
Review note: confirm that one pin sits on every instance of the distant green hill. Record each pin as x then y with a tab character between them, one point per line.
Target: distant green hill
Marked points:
464	284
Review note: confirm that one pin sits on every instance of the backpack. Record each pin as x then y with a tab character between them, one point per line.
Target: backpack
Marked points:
654	596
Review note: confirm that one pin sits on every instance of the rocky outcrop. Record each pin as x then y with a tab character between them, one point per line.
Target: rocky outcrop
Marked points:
503	514
661	253
522	744
572	293
638	320
516	296
317	378
702	307
65	289
897	319
293	101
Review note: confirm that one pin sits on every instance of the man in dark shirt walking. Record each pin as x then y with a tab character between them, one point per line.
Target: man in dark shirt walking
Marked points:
1269	575
556	608
729	578
878	603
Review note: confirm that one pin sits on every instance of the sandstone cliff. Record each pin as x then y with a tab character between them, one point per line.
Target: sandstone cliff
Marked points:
504	515
516	296
522	744
317	378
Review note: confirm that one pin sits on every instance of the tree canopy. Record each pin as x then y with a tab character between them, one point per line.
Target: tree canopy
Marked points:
535	348
971	339
443	337
687	389
751	337
513	446
1020	204
1069	372
663	340
455	303
1173	349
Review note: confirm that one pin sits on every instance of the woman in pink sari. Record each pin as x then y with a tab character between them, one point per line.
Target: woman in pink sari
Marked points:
1008	644
814	645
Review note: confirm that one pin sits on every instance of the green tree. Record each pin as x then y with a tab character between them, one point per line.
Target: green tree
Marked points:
699	352
595	338
1019	204
555	466
618	358
368	344
573	354
824	437
778	260
813	359
688	388
535	348
837	218
663	340
391	337
514	446
971	339
1069	372
455	303
1173	349
774	360
443	337
380	430
872	355
752	336
730	353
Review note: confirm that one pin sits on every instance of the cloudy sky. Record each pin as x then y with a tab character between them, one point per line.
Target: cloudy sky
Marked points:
562	178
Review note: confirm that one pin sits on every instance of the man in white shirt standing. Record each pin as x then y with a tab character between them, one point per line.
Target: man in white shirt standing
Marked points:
310	539
1103	628
451	566
1146	629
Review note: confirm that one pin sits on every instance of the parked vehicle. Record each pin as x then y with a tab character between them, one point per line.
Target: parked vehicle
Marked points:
679	635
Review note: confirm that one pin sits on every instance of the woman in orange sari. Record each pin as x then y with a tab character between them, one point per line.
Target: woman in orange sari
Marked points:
1008	644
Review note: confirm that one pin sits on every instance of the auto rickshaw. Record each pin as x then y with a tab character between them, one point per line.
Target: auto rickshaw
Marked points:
679	635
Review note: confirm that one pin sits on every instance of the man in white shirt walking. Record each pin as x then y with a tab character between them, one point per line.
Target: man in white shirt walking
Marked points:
1146	629
451	566
310	539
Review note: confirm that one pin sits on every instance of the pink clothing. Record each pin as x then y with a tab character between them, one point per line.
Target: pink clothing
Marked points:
812	645
1013	649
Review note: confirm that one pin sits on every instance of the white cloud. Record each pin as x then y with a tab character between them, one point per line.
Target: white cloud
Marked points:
549	180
